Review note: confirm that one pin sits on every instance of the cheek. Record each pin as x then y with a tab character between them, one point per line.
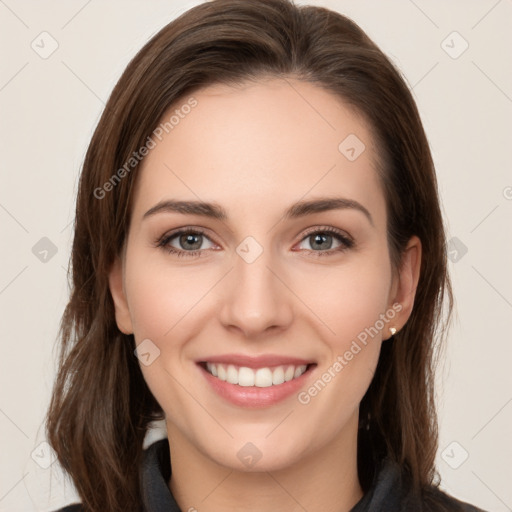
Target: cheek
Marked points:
161	307
352	302
169	307
345	372
348	299
162	300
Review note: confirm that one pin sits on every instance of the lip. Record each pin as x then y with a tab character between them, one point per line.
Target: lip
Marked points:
255	397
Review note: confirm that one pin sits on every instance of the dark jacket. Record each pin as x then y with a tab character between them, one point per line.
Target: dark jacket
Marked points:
387	494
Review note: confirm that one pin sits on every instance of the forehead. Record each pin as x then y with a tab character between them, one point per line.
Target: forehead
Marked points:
270	142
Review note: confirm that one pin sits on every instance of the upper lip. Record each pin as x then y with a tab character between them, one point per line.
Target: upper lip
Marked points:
261	361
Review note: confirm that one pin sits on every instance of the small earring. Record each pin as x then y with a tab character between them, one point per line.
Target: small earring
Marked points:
392	330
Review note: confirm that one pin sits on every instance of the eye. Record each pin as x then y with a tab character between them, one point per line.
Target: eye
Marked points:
189	242
321	241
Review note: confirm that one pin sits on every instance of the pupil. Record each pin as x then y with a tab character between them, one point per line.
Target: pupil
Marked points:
189	239
319	239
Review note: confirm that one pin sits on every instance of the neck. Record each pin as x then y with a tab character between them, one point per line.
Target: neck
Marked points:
324	481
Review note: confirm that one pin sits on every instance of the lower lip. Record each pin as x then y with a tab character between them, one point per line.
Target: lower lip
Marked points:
253	396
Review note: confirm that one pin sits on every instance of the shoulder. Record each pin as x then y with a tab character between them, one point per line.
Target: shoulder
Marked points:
448	502
392	489
154	472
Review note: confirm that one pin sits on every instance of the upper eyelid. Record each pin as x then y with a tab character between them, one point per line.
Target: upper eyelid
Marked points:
179	231
328	229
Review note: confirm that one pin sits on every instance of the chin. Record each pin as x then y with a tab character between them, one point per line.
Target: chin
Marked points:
257	454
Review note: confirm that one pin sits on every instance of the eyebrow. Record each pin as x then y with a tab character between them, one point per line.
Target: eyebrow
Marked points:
297	210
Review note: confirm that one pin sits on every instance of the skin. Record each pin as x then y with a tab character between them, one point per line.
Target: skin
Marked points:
255	150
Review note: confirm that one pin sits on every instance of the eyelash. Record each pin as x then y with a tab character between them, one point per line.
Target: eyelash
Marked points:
346	242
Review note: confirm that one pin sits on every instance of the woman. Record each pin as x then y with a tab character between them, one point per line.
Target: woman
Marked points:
289	348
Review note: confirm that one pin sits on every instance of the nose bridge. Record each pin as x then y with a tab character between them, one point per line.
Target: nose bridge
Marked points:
255	298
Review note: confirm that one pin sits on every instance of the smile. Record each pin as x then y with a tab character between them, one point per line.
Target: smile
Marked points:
255	377
250	381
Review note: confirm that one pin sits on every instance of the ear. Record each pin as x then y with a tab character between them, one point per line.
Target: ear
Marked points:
405	283
116	285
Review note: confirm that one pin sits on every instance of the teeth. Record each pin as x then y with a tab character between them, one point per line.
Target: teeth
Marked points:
221	372
261	378
212	369
232	375
289	373
278	375
298	371
245	377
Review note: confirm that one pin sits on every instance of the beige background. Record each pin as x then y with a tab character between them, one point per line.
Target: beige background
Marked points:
49	108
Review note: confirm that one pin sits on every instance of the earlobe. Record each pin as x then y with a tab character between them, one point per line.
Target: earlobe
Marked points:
407	282
115	281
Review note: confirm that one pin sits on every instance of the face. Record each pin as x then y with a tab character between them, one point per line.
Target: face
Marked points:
261	316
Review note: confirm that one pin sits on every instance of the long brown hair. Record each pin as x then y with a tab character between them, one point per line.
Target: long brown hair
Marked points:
101	405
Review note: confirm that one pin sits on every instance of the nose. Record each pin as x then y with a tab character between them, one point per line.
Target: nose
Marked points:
256	299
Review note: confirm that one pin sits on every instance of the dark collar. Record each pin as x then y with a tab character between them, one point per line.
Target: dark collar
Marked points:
155	475
387	493
156	472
